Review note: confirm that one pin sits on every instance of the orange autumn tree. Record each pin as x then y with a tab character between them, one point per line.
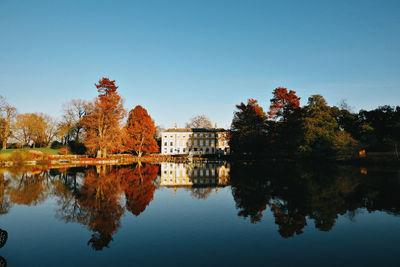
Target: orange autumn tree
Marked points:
139	132
283	104
103	119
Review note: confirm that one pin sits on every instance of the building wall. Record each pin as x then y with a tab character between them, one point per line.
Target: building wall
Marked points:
181	142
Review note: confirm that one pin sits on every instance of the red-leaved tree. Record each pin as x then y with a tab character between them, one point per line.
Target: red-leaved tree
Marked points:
140	131
283	104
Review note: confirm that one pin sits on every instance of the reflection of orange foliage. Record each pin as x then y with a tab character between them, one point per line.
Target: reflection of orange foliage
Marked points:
362	153
28	191
100	198
363	171
138	186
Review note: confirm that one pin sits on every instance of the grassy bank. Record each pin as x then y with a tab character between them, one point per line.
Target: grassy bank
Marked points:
26	153
43	150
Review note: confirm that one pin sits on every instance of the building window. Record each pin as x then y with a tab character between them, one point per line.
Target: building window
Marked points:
183	150
171	150
166	143
195	149
207	142
201	142
207	149
171	144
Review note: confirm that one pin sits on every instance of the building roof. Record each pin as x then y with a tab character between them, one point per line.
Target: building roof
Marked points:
184	130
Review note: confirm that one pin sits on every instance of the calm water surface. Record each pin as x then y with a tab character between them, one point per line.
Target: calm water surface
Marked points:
192	214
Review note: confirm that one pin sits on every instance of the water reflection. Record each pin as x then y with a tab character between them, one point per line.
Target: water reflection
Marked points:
302	193
296	195
198	178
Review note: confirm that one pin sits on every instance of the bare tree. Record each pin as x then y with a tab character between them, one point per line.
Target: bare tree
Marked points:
199	121
74	111
7	116
344	105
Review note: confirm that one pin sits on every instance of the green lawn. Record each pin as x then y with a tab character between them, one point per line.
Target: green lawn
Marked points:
44	150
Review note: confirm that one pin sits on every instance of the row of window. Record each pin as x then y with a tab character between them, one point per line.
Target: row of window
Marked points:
195	135
195	142
182	173
184	150
201	181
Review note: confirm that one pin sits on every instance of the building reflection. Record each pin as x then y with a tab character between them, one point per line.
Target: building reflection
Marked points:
210	175
98	197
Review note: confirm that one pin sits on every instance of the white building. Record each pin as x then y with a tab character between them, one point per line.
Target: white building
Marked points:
196	141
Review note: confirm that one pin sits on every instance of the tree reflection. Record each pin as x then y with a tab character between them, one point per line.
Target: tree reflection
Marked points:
201	192
138	186
5	204
302	191
100	198
297	195
30	188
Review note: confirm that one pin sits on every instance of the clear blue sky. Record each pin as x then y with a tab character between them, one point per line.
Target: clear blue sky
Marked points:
181	58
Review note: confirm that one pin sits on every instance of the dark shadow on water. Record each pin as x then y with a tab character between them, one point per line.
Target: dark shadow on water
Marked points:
298	194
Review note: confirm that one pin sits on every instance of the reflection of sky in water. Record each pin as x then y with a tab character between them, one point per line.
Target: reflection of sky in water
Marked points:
177	228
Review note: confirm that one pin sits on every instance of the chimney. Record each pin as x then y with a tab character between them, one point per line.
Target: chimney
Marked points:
176	126
216	127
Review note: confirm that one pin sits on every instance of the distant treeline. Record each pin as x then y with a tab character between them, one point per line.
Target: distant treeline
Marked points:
314	130
103	126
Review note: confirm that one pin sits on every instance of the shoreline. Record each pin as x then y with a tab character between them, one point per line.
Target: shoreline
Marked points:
63	161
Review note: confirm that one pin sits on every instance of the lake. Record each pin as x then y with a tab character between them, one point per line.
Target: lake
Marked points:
200	214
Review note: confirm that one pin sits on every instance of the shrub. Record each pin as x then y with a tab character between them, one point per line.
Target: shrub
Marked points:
64	151
56	145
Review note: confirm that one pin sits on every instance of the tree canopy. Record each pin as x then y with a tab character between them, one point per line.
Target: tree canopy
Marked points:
103	119
140	132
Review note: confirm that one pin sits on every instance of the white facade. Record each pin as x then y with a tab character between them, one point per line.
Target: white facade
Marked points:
194	141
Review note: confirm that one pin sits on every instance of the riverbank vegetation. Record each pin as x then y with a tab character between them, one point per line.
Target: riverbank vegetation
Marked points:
101	128
315	130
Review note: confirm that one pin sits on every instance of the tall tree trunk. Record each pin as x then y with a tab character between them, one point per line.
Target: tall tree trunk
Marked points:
77	135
